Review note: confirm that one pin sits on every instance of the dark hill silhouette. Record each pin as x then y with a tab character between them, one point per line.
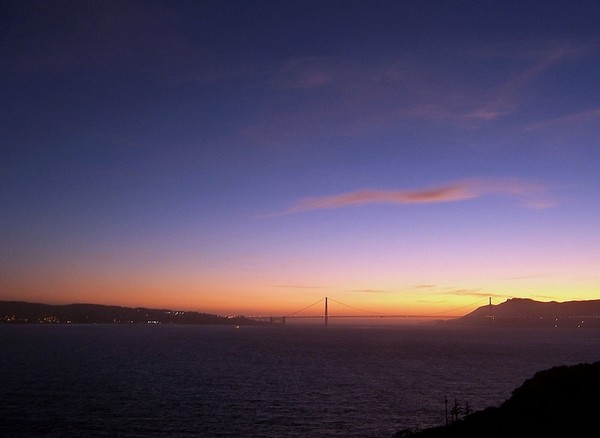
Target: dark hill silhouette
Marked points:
24	312
563	401
530	313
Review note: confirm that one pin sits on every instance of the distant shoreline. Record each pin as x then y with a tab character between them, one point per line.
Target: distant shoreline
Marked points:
21	312
523	312
512	313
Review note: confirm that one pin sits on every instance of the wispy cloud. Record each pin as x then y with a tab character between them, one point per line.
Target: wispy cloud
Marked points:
297	286
504	98
529	276
529	193
470	293
371	291
578	118
435	290
337	95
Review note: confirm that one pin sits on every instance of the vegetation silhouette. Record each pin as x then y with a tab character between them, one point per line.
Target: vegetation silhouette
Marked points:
562	401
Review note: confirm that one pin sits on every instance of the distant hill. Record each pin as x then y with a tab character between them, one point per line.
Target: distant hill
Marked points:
16	312
523	312
562	401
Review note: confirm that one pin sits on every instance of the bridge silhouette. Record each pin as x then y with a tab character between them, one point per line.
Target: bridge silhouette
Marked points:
326	316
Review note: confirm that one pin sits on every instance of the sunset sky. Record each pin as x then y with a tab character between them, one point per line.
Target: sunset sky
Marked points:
255	156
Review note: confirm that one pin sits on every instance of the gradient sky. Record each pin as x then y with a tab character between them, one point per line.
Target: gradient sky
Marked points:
255	156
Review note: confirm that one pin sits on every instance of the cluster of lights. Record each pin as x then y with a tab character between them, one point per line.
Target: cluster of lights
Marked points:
49	319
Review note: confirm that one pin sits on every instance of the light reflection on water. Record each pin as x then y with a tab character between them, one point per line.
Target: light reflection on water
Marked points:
293	381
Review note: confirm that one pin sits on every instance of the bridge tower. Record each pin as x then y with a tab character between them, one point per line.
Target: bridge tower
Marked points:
326	313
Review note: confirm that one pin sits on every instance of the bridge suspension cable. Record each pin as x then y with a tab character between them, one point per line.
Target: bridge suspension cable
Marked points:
352	307
367	313
305	308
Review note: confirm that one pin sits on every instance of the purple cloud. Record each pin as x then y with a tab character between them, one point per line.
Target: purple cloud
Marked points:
529	193
569	120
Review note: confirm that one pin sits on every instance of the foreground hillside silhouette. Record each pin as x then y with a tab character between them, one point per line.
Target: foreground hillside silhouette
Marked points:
563	401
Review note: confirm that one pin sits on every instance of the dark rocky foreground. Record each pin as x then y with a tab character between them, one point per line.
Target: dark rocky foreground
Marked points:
563	401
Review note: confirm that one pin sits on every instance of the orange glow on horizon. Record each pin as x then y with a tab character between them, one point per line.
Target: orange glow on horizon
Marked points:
257	295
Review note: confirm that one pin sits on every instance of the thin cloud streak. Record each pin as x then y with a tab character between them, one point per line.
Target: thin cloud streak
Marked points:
569	120
453	291
529	193
503	100
371	291
295	286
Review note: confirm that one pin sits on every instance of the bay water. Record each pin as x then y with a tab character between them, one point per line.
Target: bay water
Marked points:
363	381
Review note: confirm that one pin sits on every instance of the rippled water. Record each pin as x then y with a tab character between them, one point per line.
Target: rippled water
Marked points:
202	381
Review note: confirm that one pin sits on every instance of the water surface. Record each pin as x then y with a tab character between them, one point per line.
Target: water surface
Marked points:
295	381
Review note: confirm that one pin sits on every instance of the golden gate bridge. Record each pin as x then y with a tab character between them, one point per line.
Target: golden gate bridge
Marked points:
326	315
